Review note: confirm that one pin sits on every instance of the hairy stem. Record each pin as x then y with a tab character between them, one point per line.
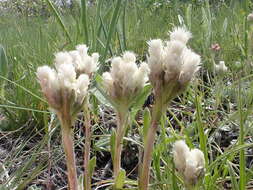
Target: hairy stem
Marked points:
148	148
149	144
68	145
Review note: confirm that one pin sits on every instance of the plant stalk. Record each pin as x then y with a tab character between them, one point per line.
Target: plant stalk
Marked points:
68	145
149	144
120	131
87	121
148	148
241	141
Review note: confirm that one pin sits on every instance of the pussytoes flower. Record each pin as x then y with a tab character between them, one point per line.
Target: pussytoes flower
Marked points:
125	79
172	64
189	163
62	86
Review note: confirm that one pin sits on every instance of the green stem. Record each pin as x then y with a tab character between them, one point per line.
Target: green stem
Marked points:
68	145
241	142
120	131
87	177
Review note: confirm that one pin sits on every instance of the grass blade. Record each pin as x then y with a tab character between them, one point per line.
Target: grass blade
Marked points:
59	19
202	137
84	20
112	28
3	68
232	174
241	142
3	62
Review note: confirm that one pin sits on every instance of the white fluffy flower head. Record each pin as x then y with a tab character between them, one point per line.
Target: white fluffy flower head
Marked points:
180	151
189	163
125	79
63	86
172	64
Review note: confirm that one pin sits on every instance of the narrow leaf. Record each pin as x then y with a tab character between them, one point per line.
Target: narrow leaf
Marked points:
3	62
232	174
112	29
92	165
112	143
59	19
146	123
120	180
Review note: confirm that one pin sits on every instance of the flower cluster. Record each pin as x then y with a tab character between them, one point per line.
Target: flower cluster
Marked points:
125	79
80	59
189	163
172	64
67	85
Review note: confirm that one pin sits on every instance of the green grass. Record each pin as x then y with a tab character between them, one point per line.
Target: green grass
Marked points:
111	27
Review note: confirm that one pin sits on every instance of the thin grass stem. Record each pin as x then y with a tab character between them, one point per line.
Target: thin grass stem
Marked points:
87	129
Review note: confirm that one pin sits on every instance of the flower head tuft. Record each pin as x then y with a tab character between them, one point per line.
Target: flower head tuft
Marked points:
80	59
49	83
125	79
191	64
67	86
62	58
129	57
180	34
81	87
221	67
189	163
180	152
155	58
66	75
172	65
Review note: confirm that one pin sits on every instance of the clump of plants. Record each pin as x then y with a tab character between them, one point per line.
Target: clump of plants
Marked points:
170	67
